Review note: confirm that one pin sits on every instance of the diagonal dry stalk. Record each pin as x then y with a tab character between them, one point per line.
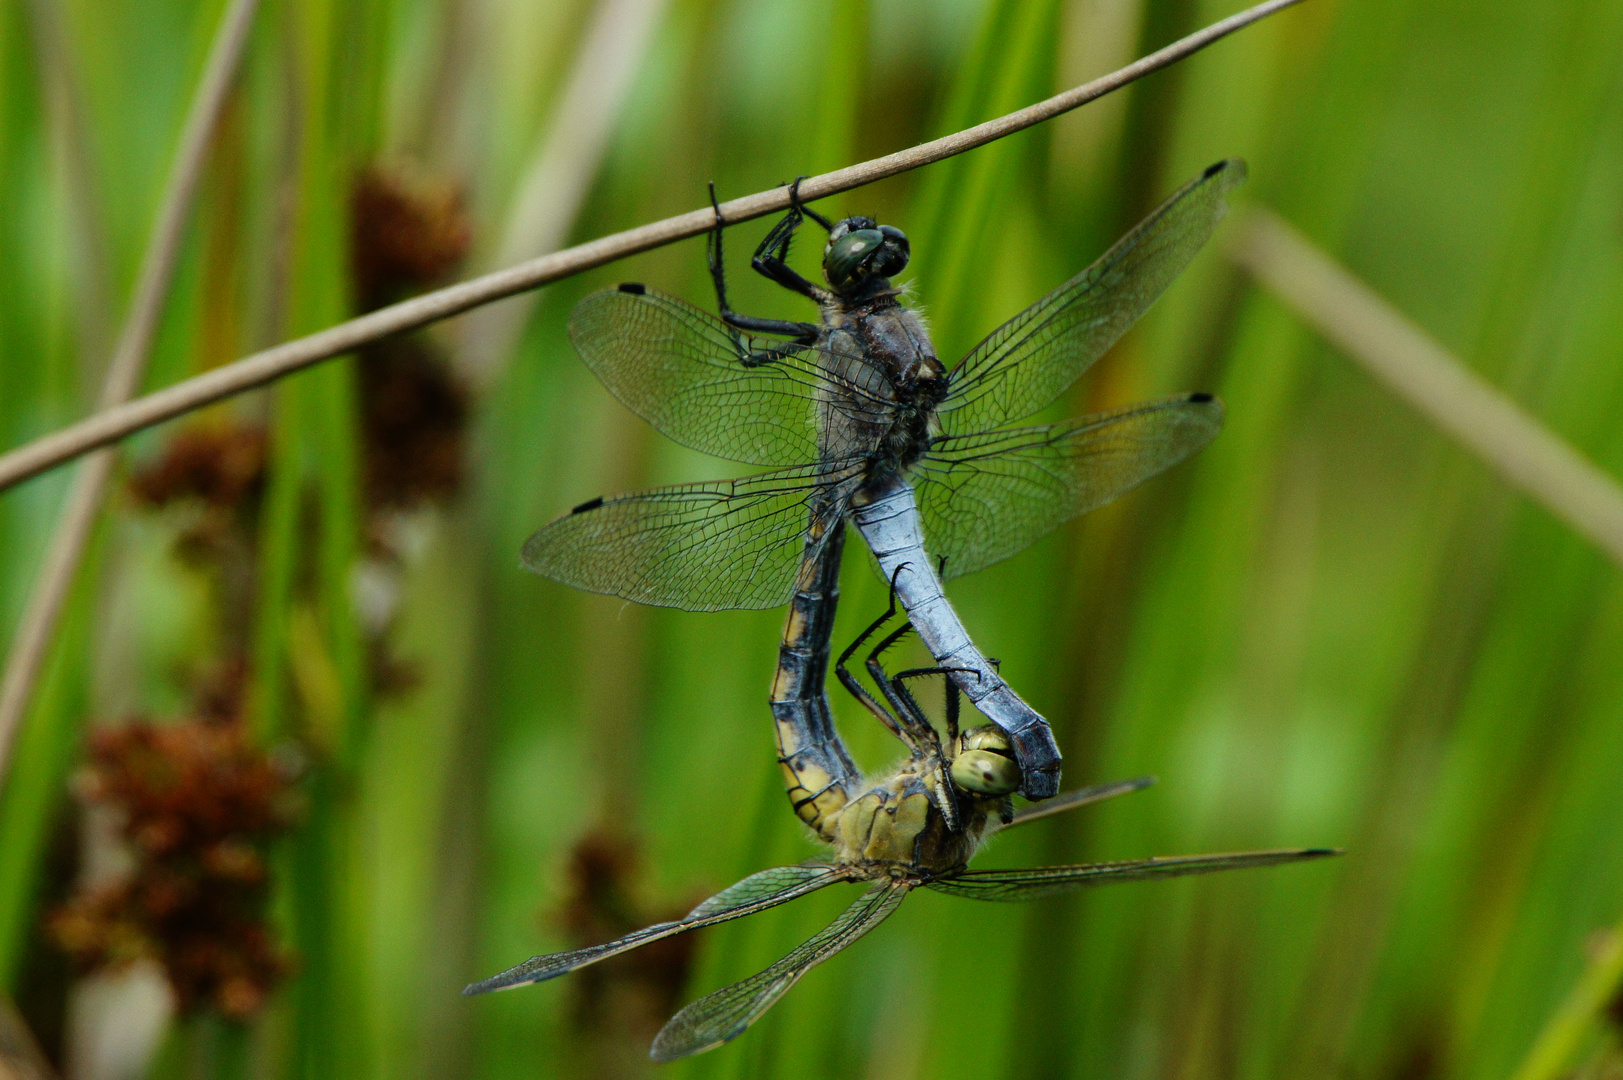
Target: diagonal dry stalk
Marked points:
124	373
113	424
20	1056
559	177
1400	354
1584	1006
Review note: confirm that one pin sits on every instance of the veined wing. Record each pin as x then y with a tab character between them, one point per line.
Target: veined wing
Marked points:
1053	880
1070	800
725	1014
680	369
760	891
1030	360
700	547
985	497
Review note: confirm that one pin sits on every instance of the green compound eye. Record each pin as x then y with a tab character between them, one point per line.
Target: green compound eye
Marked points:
986	737
984	765
897	252
847	255
985	772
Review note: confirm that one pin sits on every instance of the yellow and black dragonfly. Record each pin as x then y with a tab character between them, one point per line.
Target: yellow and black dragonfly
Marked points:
895	838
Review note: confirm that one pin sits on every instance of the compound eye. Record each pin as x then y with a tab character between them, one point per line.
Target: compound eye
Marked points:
985	772
897	252
847	255
986	737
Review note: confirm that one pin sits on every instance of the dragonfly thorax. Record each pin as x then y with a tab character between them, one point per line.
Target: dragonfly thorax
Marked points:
889	339
895	827
897	824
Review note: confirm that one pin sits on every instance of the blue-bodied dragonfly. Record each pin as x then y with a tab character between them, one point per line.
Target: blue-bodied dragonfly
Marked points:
865	424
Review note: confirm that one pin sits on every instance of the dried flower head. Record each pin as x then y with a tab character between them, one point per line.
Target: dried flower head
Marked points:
221	465
637	989
407	233
413	414
199	807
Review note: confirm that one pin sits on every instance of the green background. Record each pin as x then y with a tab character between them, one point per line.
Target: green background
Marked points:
1332	627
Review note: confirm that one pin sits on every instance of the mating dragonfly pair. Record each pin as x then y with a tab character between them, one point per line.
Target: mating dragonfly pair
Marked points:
866	425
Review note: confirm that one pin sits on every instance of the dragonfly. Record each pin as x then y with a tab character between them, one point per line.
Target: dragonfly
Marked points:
893	838
861	422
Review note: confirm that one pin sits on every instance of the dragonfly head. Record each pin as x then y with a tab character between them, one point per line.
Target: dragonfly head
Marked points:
984	764
860	251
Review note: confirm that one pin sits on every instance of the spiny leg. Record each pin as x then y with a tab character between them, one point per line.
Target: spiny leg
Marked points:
897	681
794	200
771	257
860	692
908	713
913	718
901	699
952	687
801	333
953	698
1006	804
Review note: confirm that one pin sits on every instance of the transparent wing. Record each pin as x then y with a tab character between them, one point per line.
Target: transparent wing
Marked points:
769	888
1070	800
725	1014
1053	880
985	497
679	368
1030	360
700	547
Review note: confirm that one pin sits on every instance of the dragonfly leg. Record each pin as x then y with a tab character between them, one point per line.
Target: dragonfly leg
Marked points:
913	720
860	692
896	692
907	712
953	698
771	258
794	200
799	332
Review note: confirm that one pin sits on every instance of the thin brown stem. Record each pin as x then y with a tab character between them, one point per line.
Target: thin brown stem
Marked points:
559	178
1420	371
113	424
20	1055
124	374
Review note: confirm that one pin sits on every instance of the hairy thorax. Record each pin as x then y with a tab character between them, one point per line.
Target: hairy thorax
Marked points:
882	350
894	828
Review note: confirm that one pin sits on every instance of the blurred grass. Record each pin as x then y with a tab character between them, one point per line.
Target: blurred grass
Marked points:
1331	628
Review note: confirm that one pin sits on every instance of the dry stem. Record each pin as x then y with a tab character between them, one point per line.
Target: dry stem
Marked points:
113	424
124	374
1427	376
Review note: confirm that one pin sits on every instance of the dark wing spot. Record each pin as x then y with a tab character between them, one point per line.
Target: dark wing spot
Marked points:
1211	171
589	504
1200	398
633	287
